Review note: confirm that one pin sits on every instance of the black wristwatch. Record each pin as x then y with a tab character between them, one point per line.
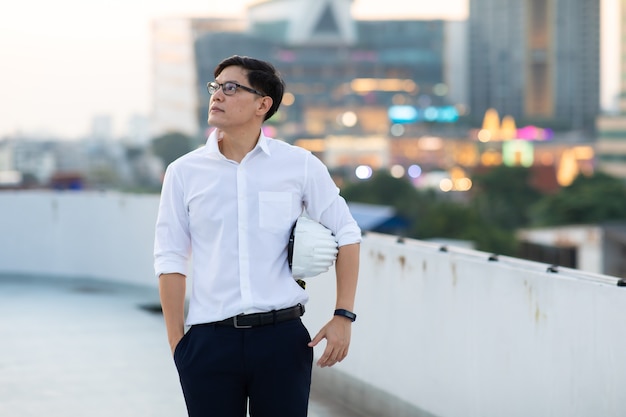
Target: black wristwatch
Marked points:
345	313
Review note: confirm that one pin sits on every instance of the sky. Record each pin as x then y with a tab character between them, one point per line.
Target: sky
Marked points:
63	62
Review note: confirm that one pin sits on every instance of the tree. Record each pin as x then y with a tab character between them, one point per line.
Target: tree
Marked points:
589	199
171	146
382	189
450	219
432	215
436	217
503	196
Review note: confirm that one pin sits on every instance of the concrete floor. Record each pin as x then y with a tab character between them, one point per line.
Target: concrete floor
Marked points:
76	348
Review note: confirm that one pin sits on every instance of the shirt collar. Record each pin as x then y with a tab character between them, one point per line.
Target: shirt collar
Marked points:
212	148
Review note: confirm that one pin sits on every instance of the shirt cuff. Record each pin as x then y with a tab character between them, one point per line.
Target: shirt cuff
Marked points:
348	235
170	267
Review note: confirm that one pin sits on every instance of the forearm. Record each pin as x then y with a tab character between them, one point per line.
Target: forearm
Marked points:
172	293
347	270
337	330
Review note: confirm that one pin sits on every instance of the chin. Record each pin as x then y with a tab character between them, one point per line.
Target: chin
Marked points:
211	120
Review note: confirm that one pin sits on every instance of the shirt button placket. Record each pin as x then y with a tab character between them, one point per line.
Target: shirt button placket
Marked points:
242	222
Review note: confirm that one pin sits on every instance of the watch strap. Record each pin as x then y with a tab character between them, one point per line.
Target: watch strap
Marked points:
345	313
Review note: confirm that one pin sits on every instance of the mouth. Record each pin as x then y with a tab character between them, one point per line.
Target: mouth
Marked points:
215	110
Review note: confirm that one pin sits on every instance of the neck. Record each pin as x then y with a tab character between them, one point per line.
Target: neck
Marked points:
235	144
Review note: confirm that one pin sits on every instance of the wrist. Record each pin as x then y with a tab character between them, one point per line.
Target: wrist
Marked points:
345	313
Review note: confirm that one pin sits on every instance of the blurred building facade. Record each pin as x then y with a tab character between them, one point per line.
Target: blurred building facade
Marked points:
342	75
175	92
395	94
593	248
536	60
91	163
611	144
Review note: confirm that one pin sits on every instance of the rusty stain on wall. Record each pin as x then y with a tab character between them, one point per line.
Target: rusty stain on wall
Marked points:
402	261
539	315
454	275
377	256
55	210
536	311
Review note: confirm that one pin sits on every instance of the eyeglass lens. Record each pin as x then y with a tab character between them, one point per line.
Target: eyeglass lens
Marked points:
228	88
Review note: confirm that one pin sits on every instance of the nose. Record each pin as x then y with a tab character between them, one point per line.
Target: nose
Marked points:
218	95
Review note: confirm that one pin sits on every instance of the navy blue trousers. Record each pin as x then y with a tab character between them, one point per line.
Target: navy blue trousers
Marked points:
222	368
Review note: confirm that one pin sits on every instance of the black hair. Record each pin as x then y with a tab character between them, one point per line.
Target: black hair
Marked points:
262	76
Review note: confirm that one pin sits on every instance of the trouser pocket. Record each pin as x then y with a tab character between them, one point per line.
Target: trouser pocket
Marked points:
179	350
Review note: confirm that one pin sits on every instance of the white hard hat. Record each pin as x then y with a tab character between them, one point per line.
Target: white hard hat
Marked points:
312	248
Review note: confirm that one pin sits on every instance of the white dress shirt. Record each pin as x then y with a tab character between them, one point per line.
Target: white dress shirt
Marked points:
235	219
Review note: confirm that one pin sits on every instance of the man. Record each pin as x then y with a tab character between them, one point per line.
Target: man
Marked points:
229	208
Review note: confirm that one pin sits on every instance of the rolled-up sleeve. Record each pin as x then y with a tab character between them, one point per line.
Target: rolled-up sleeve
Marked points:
324	204
172	243
345	228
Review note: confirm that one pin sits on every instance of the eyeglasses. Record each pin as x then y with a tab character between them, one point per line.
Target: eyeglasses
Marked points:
229	88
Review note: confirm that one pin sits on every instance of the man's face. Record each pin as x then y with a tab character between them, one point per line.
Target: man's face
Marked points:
234	110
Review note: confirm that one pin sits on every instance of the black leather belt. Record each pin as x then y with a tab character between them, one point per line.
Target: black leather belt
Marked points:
246	321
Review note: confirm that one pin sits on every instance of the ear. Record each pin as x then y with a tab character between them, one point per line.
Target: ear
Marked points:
264	105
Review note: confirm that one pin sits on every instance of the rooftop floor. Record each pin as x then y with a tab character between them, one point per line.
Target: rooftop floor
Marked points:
76	348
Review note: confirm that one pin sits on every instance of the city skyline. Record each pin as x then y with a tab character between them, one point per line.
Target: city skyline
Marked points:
55	82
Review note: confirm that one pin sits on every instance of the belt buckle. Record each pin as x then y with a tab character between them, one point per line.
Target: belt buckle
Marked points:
237	326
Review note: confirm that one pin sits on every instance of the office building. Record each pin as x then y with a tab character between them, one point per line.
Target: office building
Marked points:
175	91
611	143
536	60
343	75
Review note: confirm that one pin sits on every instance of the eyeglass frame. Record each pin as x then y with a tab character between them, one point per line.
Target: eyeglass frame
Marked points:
216	86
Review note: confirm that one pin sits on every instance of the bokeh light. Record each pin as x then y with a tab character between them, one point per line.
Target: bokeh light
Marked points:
288	99
349	119
397	171
446	185
363	172
397	130
414	171
463	184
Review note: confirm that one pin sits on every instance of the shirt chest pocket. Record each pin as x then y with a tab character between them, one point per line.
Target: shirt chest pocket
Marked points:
275	210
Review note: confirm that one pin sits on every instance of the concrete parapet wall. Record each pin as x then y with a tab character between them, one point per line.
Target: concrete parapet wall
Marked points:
104	235
455	334
439	333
